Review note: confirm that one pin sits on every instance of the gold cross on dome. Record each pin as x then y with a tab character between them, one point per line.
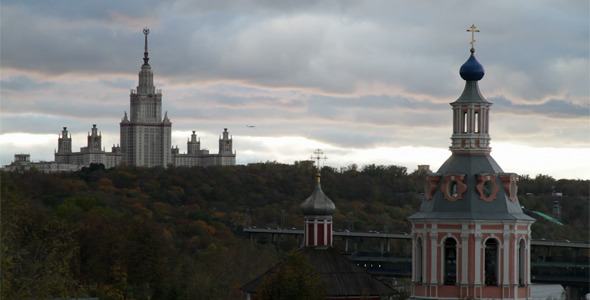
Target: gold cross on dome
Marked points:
318	157
473	31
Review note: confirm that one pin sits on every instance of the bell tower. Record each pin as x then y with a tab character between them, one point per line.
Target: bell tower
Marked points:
470	238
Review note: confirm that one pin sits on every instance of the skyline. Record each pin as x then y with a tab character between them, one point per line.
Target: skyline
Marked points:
367	82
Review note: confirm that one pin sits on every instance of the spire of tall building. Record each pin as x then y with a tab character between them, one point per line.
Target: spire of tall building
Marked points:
146	137
146	31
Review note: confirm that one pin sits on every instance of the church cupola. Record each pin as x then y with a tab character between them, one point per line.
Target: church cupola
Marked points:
471	111
317	211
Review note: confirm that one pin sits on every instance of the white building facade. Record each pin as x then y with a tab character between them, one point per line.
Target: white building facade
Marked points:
145	138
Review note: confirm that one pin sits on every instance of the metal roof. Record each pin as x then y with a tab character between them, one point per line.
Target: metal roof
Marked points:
318	204
343	278
471	205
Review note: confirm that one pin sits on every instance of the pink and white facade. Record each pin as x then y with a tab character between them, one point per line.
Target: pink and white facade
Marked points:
470	238
471	259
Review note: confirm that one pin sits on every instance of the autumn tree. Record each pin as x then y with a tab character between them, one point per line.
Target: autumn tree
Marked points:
294	279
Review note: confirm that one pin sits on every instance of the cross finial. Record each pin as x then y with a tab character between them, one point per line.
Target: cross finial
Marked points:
318	157
473	31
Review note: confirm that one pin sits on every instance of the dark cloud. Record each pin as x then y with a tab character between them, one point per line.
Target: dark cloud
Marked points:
23	83
553	108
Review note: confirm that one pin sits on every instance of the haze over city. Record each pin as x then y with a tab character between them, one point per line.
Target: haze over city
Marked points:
368	82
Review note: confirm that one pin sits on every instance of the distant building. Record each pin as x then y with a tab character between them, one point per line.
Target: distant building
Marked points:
22	163
145	135
424	168
93	153
471	239
145	138
196	156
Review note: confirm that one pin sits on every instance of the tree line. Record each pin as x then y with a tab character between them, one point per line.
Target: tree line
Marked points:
176	233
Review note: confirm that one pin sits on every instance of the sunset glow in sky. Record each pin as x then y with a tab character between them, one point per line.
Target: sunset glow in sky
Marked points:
369	82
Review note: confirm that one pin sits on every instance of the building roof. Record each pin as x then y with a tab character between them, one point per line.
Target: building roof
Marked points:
471	70
343	278
318	204
471	205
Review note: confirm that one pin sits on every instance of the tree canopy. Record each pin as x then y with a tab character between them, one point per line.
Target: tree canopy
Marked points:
176	233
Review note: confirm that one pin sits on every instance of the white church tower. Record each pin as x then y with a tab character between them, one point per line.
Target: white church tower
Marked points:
145	136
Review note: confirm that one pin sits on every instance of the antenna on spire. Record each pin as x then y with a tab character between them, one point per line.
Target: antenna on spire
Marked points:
473	31
146	31
318	157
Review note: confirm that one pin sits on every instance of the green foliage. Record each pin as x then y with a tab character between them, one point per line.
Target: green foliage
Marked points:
294	279
39	253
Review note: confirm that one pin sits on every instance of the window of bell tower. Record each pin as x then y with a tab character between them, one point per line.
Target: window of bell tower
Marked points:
476	121
465	122
491	264
450	262
453	189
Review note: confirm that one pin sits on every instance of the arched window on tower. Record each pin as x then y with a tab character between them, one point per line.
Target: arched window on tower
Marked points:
491	262
418	270
476	121
450	262
521	262
465	122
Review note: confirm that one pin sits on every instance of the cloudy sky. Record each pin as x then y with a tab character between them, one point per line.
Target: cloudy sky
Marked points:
366	81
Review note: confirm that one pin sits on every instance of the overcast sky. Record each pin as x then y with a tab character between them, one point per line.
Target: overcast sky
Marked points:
366	81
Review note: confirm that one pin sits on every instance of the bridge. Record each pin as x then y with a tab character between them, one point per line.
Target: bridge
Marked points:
552	261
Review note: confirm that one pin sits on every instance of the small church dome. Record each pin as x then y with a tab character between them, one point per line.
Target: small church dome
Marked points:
318	204
471	70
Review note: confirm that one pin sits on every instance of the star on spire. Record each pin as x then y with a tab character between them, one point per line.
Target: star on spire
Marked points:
146	31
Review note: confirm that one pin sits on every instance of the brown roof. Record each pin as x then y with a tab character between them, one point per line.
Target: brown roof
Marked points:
342	276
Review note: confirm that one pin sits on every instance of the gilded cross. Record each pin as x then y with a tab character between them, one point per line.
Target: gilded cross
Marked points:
473	31
318	157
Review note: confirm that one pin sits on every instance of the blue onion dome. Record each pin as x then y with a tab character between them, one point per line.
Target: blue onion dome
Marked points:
318	204
471	70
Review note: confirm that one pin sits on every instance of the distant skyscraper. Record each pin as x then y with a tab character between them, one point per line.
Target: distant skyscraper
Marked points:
145	136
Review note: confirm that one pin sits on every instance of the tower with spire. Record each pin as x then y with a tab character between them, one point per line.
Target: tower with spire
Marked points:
145	135
470	238
317	212
64	147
